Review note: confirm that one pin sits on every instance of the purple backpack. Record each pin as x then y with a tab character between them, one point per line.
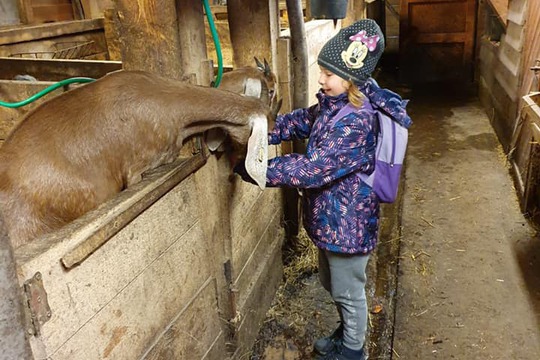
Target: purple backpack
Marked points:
389	154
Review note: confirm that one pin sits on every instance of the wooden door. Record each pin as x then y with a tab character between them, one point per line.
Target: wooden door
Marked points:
437	40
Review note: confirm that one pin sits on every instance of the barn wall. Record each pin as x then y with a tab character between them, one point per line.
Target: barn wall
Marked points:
532	50
500	70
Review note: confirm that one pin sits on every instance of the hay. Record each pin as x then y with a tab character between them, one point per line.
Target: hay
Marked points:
300	259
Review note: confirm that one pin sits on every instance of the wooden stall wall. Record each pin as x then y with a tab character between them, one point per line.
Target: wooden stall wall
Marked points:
531	52
500	70
190	277
437	40
524	152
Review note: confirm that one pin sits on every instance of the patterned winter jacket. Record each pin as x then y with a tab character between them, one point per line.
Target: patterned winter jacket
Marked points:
341	213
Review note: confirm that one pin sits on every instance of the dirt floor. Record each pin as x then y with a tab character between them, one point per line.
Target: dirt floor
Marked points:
457	271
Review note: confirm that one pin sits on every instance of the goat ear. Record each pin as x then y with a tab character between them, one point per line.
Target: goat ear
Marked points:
260	66
253	88
267	69
257	151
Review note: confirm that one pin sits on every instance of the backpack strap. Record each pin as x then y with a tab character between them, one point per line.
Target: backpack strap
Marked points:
349	108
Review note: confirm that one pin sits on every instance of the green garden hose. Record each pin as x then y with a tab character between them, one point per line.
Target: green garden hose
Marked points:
46	91
216	43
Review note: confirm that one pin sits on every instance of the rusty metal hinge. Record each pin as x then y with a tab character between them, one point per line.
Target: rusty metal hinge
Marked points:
37	310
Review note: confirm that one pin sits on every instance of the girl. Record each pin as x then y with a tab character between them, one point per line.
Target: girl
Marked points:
341	213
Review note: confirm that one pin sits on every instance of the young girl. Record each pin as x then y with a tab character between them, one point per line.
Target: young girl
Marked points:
341	213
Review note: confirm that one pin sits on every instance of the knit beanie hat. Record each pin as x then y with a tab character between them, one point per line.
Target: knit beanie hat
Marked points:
353	52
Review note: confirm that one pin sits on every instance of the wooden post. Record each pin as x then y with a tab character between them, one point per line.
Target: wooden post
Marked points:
111	35
355	12
253	26
192	41
149	36
13	343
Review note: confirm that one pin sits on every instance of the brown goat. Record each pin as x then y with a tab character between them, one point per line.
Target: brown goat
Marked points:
79	149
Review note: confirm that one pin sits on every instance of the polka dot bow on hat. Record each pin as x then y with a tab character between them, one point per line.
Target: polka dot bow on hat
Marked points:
354	51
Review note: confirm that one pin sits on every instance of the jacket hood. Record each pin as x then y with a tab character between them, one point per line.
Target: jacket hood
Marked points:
390	102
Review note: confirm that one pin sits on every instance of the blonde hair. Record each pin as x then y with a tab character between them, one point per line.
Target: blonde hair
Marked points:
354	94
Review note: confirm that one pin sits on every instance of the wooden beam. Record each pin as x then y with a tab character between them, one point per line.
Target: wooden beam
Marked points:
43	31
55	69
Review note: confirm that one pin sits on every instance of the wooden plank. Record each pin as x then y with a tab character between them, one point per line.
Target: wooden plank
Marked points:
76	296
51	13
501	9
271	233
128	325
56	69
252	308
251	213
161	181
192	332
43	31
284	74
95	8
35	3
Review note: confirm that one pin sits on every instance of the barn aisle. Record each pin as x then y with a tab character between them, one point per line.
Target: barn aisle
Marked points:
469	269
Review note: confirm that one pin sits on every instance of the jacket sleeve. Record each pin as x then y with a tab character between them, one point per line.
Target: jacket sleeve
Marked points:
349	146
294	125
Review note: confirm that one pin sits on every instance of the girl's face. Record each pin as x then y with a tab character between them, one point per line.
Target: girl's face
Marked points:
332	84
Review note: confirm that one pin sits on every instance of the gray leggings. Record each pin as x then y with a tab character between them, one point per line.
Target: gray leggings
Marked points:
344	276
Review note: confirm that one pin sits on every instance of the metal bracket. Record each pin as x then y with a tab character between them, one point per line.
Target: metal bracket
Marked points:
37	310
536	66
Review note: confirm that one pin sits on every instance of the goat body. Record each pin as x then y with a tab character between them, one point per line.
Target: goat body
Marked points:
79	149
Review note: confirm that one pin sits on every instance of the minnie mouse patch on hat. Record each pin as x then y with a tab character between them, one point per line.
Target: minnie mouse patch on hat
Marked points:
354	51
